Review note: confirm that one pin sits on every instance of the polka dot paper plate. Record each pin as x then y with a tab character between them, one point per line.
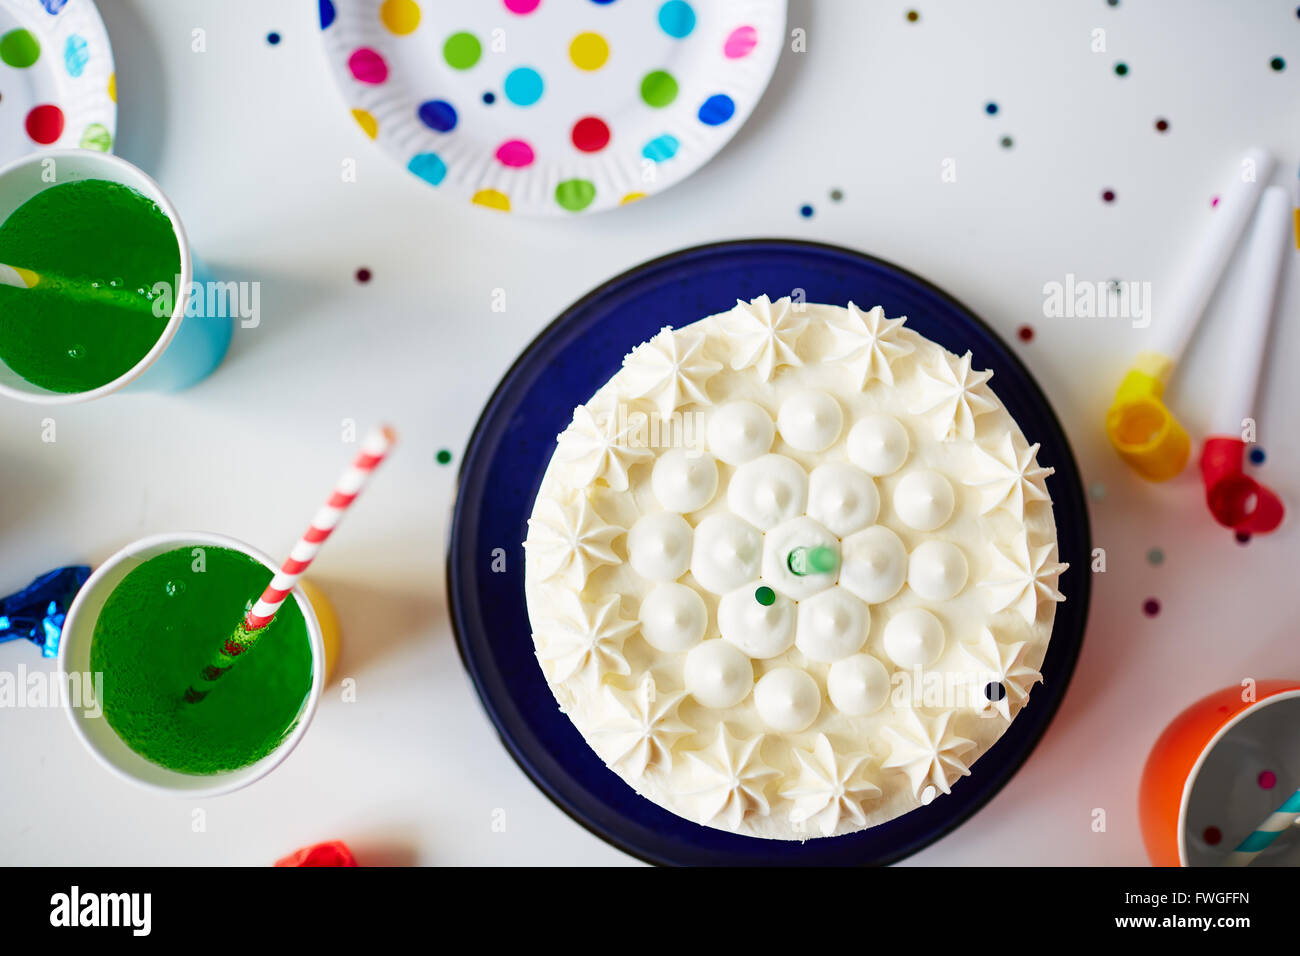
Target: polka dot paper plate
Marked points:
56	77
552	107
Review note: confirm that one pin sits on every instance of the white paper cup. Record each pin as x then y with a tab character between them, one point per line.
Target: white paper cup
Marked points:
95	732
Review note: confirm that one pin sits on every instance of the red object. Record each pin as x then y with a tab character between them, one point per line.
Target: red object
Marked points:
590	134
333	853
1235	499
45	124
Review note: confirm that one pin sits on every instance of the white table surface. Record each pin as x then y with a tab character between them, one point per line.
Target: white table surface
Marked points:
248	139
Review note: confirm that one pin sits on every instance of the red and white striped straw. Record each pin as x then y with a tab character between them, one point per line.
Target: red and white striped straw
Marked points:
373	450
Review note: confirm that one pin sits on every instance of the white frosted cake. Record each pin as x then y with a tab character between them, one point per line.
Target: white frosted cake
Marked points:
792	570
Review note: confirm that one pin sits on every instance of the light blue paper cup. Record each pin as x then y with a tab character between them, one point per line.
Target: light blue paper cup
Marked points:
190	347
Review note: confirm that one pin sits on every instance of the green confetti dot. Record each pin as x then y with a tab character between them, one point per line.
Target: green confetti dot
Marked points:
658	89
444	457
97	137
19	48
462	50
575	195
765	596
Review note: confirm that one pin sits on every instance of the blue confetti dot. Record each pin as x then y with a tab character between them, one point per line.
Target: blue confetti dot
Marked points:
327	13
717	109
806	211
677	19
273	38
1257	456
438	115
660	148
429	167
523	86
991	108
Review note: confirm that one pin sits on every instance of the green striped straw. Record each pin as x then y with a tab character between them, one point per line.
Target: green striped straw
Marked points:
1268	831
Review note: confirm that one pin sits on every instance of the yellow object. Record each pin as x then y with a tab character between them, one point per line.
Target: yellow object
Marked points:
1297	226
400	16
493	199
589	51
1140	425
367	122
329	625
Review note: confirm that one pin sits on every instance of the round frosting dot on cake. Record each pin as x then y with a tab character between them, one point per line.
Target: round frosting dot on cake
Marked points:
739	432
914	638
673	617
659	546
832	625
718	675
842	497
684	481
787	699
873	564
810	421
760	630
728	552
780	541
878	444
924	500
858	685
936	570
768	491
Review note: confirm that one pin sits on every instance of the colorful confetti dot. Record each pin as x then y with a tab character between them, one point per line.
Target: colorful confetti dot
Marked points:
523	86
1267	780
462	50
1108	195
400	16
677	19
19	48
45	124
1025	333
429	167
443	456
76	54
1150	607
366	120
631	198
112	87
492	199
515	153
658	88
991	109
1121	69
522	7
806	211
575	195
1007	142
740	43
589	51
590	134
913	16
363	275
837	195
327	13
489	97
717	109
1214	202
661	148
367	66
1278	64
1212	836
1155	557
1162	125
1257	456
438	115
765	596
97	136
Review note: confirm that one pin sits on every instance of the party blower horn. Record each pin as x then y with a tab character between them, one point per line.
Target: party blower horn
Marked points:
1141	427
373	450
1235	499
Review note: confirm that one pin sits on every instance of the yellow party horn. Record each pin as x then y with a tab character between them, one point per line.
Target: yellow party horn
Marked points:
1140	425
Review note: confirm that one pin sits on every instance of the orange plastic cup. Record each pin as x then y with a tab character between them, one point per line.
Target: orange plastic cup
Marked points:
1206	784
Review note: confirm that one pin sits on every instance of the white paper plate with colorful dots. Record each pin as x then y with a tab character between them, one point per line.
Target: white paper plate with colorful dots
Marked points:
552	107
56	77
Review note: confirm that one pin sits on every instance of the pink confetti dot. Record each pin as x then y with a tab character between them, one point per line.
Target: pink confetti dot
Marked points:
515	153
368	66
1267	780
522	7
740	43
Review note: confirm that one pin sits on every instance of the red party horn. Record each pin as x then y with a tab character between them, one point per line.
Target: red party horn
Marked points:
1235	499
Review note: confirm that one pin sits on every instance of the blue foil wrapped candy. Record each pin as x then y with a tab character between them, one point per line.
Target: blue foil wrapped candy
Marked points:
36	612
